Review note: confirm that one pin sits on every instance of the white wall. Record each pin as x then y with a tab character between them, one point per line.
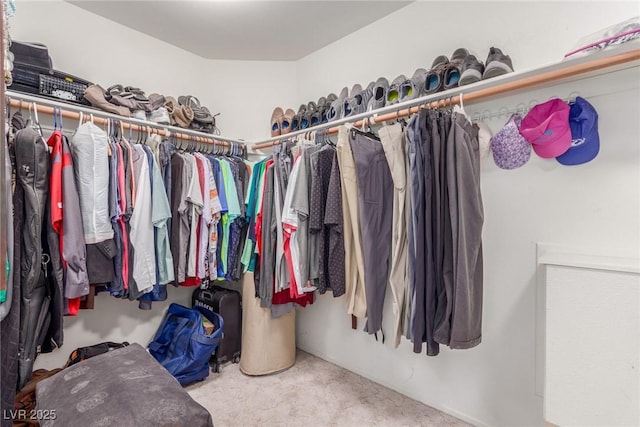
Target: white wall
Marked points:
591	206
106	53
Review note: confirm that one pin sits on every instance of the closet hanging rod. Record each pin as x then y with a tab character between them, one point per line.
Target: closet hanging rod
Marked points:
46	106
454	96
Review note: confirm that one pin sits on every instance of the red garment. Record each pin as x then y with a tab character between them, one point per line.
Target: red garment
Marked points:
73	306
55	183
58	161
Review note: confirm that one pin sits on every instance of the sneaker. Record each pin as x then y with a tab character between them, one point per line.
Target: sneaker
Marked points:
452	72
434	79
349	103
497	64
412	88
335	110
316	118
393	94
379	96
360	100
472	70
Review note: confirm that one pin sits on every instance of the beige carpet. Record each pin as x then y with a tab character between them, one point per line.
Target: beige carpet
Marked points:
311	393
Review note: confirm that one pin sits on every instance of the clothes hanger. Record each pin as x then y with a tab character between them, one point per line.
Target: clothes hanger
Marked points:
35	124
56	110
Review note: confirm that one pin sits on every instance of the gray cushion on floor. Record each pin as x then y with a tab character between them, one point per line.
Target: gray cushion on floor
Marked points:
125	387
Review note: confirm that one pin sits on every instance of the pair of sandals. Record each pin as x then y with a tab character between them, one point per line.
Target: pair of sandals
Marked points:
281	121
200	113
186	112
180	115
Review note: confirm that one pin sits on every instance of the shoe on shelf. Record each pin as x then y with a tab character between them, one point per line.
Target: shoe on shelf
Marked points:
349	103
360	100
335	110
434	81
497	64
276	117
286	121
316	118
331	97
393	94
379	96
296	122
453	70
412	88
472	70
310	115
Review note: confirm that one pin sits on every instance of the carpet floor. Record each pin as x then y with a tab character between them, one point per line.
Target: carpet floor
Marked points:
311	393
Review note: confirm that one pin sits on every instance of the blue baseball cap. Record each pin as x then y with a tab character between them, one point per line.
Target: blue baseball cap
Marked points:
585	141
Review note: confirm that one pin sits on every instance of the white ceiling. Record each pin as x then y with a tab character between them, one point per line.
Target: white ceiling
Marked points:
250	30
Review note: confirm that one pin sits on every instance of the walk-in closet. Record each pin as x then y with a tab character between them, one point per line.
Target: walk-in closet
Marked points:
320	213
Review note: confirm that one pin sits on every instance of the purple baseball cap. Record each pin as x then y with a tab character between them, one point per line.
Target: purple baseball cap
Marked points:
585	140
546	127
510	149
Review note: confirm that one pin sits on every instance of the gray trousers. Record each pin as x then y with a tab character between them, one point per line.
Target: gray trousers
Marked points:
461	323
421	230
375	200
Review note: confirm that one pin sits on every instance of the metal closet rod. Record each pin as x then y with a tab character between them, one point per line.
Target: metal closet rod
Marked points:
456	96
46	106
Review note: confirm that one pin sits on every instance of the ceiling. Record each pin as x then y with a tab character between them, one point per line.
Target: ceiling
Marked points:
249	30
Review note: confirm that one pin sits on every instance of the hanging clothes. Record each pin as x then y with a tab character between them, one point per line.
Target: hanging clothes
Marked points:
393	144
444	234
375	200
354	259
89	149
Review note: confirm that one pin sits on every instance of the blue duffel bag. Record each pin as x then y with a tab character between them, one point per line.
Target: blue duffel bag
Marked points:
182	345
